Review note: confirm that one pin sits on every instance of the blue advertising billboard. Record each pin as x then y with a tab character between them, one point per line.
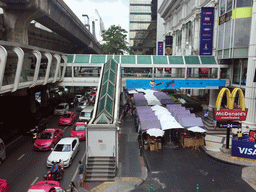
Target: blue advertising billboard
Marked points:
175	83
206	32
160	48
243	149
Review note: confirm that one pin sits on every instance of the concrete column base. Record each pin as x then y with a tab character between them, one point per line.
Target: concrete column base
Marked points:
224	150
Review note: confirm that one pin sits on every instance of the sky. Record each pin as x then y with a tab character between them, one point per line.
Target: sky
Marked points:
112	12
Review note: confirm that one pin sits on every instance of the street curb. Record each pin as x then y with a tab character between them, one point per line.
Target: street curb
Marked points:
213	157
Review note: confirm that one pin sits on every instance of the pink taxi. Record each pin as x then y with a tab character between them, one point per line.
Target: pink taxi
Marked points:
79	130
68	118
3	186
46	186
47	139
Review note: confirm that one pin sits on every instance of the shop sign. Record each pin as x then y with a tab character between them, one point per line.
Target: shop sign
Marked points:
229	125
230	115
160	48
206	33
243	149
225	18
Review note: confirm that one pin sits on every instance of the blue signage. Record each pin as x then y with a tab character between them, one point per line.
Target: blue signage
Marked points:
160	48
175	83
243	149
229	125
206	32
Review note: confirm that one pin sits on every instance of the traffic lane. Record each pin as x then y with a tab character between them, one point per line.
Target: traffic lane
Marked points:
182	168
22	167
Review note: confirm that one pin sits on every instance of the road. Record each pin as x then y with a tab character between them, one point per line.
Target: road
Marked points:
23	166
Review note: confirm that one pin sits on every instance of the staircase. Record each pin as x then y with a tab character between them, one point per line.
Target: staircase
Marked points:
209	124
101	169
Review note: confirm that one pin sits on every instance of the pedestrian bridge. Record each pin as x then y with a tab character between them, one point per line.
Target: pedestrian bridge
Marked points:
27	66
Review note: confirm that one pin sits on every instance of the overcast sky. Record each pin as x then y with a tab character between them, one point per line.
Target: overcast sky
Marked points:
113	12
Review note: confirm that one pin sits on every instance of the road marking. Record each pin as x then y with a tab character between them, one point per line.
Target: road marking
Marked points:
21	157
158	181
34	181
65	129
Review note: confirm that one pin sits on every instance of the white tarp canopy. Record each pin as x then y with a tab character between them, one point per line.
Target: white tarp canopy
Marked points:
132	92
196	129
155	132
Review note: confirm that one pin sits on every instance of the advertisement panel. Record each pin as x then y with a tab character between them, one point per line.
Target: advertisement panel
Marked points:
174	83
206	32
229	113
160	48
243	149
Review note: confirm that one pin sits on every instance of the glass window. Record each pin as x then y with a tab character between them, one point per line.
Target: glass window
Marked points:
189	32
229	5
179	37
137	34
140	9
140	17
236	71
242	32
140	1
243	3
222	7
244	71
68	72
139	25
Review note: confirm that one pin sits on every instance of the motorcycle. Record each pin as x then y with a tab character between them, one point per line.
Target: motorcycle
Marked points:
51	176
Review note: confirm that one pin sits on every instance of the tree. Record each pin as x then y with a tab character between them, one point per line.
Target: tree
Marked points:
115	41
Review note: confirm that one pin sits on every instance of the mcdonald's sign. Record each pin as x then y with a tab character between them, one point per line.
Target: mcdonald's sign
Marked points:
229	113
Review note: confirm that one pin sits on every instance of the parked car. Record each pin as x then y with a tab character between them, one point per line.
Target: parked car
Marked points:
66	149
79	130
4	185
61	109
47	139
68	118
46	186
80	98
73	101
92	99
2	151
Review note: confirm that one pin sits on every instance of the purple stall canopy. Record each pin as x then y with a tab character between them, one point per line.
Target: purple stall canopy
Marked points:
190	122
145	125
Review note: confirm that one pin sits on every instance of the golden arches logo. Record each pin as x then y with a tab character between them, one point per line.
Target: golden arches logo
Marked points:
230	98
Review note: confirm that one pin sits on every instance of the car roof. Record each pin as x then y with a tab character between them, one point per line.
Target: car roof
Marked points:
68	112
80	123
67	140
47	185
50	130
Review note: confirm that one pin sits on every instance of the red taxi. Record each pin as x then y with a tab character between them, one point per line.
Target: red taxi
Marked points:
3	186
79	130
46	186
47	139
68	118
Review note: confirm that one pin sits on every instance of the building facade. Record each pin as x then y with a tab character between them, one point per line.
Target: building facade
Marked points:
143	26
233	40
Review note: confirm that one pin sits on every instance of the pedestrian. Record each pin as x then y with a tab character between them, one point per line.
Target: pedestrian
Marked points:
81	170
72	187
215	124
206	113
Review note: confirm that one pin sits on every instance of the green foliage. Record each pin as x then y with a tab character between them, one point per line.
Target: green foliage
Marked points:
115	41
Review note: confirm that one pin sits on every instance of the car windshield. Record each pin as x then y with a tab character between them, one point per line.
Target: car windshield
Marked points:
66	116
60	107
63	147
45	136
82	103
85	114
79	128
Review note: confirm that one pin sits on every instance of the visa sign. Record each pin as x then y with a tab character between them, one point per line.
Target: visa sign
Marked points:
243	149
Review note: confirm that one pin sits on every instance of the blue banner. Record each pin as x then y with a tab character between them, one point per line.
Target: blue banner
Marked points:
206	32
243	149
175	83
160	48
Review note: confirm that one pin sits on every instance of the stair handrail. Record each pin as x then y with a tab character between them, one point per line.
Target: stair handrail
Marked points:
86	159
114	151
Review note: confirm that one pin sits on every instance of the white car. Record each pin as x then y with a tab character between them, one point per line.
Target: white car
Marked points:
65	149
61	109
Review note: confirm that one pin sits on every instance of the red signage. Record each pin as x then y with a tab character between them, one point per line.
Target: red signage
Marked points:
230	115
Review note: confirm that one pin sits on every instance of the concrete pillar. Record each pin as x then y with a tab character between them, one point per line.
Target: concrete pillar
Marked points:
213	97
32	100
174	43
44	97
183	39
197	33
174	72
250	93
195	92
